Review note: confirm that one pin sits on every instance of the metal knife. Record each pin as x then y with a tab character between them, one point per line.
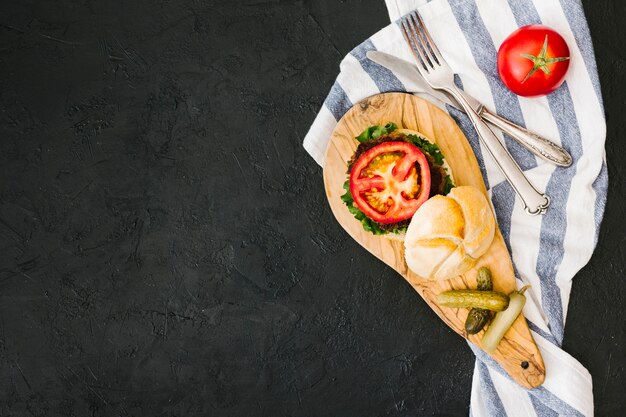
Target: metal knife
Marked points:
412	79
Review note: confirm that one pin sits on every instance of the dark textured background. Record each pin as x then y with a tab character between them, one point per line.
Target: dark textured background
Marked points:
166	246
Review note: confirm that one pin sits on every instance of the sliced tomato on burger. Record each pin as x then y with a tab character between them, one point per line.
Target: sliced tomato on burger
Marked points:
390	181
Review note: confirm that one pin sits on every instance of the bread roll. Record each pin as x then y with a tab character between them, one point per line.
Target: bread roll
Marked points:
449	233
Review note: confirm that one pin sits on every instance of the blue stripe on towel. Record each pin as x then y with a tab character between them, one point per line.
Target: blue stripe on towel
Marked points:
532	326
492	400
503	198
541	409
337	101
385	80
554	223
555	403
524	13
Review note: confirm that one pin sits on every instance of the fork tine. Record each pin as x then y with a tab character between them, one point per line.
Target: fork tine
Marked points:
431	44
406	31
411	39
415	29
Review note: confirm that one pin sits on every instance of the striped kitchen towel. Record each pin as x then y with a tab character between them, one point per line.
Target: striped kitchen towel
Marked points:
547	251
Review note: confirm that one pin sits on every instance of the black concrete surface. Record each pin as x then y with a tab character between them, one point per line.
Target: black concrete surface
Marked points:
166	246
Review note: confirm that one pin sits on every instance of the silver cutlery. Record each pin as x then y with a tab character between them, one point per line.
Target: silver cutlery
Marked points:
440	76
536	144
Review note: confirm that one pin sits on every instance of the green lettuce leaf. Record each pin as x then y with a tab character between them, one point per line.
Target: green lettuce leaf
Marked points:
374	132
430	148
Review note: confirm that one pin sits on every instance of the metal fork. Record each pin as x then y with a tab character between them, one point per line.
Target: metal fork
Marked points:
440	76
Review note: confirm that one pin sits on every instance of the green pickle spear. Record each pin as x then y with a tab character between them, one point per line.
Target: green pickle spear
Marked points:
503	321
487	300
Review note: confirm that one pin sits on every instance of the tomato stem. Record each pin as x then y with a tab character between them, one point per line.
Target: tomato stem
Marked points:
541	61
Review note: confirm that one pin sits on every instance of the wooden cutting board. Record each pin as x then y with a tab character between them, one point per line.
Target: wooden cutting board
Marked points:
517	353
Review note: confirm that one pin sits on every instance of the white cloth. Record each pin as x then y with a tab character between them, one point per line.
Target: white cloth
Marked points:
547	251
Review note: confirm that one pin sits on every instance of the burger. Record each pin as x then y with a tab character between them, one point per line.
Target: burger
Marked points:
400	186
391	174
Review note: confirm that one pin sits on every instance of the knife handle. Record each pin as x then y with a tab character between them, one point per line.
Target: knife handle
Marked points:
538	145
535	203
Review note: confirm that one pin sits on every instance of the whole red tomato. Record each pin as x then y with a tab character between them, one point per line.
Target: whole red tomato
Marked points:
533	61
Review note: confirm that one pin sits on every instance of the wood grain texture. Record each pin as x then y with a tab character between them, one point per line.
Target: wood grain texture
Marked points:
411	112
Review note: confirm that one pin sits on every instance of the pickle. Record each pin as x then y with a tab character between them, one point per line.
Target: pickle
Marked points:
478	317
487	300
483	279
